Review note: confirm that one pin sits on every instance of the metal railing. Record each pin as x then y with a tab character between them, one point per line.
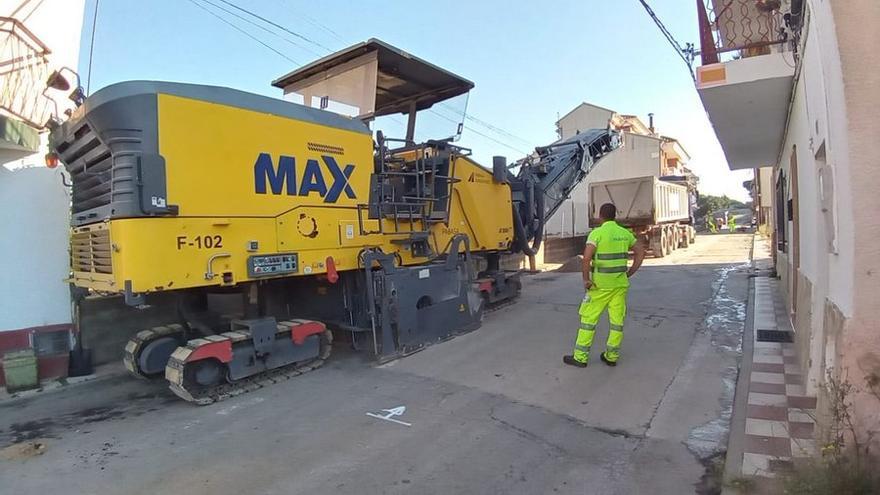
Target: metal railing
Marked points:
406	190
732	29
24	68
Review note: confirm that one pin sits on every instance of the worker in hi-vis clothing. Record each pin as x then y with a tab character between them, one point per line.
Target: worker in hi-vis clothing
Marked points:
606	281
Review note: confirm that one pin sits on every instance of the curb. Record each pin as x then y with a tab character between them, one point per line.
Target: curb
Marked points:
736	437
104	372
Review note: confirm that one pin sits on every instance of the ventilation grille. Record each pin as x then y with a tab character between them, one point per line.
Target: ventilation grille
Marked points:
90	165
774	336
90	252
326	148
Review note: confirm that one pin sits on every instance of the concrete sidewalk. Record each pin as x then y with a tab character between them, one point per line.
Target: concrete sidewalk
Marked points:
773	421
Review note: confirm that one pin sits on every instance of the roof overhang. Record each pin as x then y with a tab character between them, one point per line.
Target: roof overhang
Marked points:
401	81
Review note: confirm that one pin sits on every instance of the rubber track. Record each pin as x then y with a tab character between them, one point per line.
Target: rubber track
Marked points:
134	346
491	308
175	376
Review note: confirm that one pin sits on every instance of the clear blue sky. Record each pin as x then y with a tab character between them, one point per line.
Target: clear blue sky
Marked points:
531	61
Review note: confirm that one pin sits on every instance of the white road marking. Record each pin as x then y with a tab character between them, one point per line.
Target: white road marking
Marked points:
394	411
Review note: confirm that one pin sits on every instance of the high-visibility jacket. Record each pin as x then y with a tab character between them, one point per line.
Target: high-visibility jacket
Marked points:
609	264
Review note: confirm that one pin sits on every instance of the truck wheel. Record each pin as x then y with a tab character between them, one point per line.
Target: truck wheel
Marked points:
684	239
658	245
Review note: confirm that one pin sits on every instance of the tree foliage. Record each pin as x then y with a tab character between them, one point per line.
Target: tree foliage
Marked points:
708	203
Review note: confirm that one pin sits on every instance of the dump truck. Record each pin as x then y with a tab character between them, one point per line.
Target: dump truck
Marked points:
657	211
279	227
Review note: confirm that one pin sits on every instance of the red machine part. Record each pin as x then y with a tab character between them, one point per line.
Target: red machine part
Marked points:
222	351
332	274
301	331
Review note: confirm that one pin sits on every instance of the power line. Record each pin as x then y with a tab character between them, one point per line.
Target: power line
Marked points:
260	26
487	125
686	53
92	46
279	26
490	138
481	122
242	31
316	23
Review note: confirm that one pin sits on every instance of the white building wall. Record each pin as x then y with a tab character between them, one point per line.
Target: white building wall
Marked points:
33	248
583	117
34	204
765	176
817	125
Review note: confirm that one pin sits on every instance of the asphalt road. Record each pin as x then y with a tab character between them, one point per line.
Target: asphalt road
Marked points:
493	411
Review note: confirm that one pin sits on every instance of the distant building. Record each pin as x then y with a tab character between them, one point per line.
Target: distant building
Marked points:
792	92
644	152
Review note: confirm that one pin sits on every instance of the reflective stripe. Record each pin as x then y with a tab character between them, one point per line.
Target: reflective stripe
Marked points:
619	328
588	326
612	256
611	269
582	348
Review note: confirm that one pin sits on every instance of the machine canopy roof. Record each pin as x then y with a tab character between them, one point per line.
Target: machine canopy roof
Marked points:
377	78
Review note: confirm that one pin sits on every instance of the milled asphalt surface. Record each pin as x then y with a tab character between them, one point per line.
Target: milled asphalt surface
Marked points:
493	411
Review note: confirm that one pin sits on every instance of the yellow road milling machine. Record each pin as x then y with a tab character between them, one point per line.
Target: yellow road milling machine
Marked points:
274	223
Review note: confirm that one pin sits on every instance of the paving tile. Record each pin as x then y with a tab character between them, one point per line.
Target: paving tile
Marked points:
798	390
756	465
766	358
801	402
774	413
769	345
767	388
801	415
792	379
760	399
767	428
769	368
758	376
774	446
802	447
768	351
792	369
797	429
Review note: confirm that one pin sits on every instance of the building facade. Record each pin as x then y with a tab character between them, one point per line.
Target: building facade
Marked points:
801	94
37	39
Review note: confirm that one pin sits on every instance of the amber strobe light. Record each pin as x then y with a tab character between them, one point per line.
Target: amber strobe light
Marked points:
51	160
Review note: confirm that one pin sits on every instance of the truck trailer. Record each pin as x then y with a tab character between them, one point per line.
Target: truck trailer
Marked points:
657	211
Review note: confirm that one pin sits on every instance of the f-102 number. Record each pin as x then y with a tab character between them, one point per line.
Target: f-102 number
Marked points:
200	241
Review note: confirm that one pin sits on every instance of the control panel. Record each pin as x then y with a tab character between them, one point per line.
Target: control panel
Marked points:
267	265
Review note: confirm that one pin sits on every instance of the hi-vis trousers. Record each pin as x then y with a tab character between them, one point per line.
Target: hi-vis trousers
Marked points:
615	301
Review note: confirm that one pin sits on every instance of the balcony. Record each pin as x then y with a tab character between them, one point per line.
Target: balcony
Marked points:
745	80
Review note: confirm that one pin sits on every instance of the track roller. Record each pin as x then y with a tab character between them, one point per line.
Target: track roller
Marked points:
147	352
217	367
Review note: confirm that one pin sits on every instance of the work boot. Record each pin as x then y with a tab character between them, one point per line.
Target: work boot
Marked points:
606	361
571	361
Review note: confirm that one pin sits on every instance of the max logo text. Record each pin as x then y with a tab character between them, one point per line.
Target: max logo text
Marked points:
283	179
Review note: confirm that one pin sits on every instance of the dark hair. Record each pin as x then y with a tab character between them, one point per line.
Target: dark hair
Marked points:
608	211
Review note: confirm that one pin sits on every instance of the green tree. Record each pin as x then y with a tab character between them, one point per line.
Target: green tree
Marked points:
708	204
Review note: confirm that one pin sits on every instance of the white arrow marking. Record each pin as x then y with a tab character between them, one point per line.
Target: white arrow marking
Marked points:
394	411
